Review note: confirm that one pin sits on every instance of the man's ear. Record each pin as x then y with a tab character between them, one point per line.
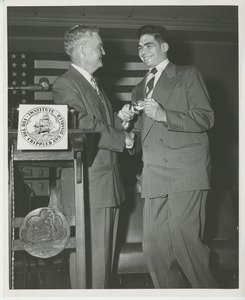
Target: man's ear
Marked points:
165	47
81	49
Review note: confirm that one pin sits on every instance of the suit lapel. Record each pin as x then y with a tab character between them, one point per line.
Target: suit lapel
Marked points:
93	102
161	92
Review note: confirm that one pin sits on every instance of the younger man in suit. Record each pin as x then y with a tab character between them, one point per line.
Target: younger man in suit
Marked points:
176	173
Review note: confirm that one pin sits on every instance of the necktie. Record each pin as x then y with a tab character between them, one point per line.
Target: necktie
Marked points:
105	108
150	82
95	85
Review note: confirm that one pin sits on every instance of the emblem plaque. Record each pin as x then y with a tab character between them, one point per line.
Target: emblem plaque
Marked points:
44	232
42	127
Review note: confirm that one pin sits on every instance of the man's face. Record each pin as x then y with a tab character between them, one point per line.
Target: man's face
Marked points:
150	51
93	52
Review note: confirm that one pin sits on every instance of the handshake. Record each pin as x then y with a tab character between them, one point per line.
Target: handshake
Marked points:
128	111
126	114
151	108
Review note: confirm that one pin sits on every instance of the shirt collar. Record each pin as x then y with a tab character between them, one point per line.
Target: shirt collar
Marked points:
83	72
160	67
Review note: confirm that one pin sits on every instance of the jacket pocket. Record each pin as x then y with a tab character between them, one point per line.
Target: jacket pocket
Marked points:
184	146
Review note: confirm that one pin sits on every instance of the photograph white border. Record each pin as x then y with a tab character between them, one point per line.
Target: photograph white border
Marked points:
120	294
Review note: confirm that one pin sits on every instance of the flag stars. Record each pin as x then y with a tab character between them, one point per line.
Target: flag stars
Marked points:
18	78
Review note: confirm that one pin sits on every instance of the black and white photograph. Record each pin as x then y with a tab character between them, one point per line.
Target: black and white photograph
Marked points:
122	148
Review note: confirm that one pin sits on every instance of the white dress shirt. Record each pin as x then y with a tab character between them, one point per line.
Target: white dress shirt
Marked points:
160	67
83	72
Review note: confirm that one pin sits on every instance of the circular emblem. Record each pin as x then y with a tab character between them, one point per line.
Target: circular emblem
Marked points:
43	126
44	232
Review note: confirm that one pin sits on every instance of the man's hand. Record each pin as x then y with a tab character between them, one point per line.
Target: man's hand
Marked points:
154	110
126	114
129	142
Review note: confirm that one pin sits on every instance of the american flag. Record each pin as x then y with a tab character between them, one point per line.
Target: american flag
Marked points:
118	76
20	74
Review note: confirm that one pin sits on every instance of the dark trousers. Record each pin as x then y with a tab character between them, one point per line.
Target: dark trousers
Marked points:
172	240
100	248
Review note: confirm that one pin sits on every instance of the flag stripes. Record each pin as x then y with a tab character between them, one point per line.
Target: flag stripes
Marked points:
126	81
59	64
118	76
51	64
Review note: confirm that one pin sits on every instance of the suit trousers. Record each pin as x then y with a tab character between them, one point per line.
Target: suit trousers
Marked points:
100	247
173	228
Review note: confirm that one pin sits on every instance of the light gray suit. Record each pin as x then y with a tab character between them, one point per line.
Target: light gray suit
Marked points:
176	177
105	190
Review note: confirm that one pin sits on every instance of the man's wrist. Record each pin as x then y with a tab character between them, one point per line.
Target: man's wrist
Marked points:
129	140
164	116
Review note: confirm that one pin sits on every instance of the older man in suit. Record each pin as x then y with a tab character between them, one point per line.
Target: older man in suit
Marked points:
176	172
79	90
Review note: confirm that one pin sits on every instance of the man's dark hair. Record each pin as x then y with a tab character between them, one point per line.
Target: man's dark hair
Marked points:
159	32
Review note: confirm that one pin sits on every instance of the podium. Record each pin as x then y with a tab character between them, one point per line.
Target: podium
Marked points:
80	143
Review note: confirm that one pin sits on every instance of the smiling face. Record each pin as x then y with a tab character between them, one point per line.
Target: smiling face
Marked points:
92	52
151	51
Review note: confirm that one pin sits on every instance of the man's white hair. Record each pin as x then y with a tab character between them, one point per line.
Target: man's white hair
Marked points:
75	35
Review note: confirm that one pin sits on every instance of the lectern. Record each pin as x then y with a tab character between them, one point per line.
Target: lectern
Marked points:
78	141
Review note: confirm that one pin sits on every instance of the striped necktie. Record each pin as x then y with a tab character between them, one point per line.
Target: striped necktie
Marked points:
105	108
95	86
150	82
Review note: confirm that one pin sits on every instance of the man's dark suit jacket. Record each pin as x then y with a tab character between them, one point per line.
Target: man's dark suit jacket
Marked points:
105	185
